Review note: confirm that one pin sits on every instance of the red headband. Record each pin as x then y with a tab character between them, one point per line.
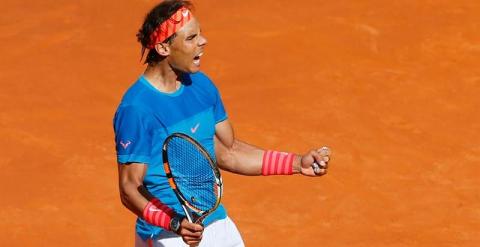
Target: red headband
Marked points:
170	26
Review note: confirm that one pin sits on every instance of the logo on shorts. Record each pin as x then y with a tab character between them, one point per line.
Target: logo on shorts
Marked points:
125	144
194	129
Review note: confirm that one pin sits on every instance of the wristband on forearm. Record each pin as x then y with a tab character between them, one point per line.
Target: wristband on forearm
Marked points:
277	163
158	214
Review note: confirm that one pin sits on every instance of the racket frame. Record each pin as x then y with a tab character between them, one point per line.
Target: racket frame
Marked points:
171	179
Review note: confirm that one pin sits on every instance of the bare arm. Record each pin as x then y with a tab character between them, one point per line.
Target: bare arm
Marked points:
234	155
130	178
239	157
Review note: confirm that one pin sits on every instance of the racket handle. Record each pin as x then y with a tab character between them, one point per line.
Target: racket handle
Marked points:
190	219
187	213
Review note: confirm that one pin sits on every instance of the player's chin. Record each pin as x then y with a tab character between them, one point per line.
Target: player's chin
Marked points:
187	67
193	68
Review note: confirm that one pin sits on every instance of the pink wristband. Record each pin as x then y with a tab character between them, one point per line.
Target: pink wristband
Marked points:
157	213
277	163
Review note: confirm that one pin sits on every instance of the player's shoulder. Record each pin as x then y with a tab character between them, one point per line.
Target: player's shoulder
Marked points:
133	111
136	93
135	98
136	88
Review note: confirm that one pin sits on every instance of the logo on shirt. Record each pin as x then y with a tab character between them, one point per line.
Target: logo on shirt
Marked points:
125	144
194	129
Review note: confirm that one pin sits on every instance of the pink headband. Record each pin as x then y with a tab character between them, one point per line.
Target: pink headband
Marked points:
170	26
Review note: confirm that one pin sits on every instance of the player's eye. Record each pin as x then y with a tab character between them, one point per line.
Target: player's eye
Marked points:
191	37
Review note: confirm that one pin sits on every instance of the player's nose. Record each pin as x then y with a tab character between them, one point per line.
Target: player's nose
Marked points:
202	41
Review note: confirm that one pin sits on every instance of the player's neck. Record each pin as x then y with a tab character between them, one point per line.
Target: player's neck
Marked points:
162	77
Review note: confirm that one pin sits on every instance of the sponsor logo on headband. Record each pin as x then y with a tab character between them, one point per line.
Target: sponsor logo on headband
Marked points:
170	26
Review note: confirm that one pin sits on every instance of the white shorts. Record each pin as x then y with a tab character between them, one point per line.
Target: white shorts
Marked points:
221	233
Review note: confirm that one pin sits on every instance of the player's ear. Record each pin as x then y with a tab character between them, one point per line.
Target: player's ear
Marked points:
163	49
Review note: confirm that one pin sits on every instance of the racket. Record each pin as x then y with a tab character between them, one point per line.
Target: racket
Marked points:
193	176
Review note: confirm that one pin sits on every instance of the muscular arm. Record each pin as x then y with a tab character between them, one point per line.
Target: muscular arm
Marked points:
130	178
239	157
245	159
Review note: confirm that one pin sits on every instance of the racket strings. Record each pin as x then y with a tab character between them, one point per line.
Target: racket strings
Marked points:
193	174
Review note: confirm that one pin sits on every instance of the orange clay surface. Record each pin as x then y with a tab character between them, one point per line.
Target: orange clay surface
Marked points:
392	86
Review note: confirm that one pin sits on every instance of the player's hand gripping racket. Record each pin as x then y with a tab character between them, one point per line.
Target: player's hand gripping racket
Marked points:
193	176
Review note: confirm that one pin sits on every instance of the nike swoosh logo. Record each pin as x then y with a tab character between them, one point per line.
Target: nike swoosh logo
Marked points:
154	209
194	129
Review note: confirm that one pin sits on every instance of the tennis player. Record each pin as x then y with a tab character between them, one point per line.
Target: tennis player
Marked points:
172	95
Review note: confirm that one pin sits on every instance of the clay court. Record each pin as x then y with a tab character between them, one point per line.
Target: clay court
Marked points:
391	86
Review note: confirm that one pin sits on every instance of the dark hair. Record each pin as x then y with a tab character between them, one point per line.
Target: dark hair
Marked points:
153	19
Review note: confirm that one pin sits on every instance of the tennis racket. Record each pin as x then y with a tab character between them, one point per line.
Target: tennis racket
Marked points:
193	176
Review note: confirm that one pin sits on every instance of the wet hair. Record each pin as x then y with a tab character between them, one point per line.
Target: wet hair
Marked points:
153	19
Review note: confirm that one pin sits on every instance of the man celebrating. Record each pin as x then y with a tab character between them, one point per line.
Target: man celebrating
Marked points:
173	96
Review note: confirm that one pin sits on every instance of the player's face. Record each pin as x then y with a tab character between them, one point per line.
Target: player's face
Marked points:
187	48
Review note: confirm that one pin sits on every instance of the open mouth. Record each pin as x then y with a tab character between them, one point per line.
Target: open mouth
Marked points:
196	59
